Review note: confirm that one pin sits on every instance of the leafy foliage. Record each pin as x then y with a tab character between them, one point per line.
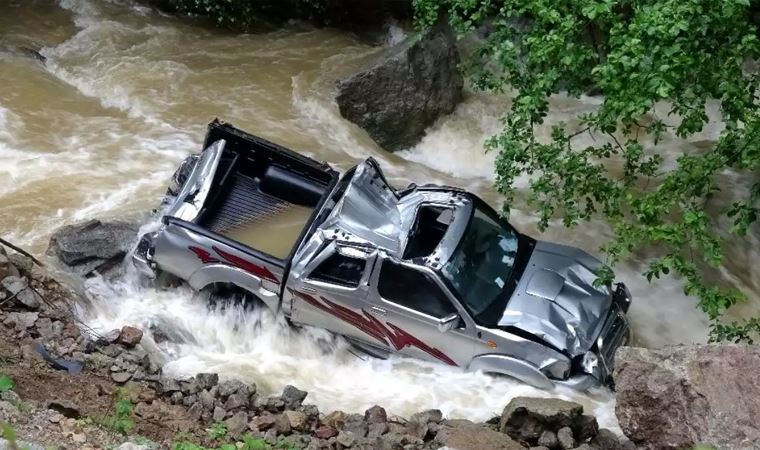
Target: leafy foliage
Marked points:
245	14
644	56
121	420
6	383
217	431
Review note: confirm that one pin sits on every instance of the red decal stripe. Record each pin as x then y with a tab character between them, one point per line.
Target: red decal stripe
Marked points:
259	271
370	325
203	255
236	261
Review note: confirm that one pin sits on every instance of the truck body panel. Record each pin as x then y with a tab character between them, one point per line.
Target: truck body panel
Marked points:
430	272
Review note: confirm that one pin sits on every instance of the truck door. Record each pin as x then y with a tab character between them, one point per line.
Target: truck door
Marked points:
418	315
331	293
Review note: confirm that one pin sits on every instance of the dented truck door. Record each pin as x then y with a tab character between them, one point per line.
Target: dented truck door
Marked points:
331	292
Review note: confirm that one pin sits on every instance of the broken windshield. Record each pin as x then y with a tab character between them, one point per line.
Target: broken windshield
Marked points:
482	264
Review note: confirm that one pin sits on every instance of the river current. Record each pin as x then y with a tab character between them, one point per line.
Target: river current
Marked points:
126	93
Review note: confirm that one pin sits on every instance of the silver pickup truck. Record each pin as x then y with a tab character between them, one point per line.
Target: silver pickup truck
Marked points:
428	271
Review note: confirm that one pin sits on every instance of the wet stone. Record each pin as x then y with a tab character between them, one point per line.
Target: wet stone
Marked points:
376	430
417	429
189	400
206	399
237	400
325	432
237	424
121	377
375	414
431	415
130	336
293	397
207	380
548	439
176	397
297	420
565	438
346	438
230	387
169	385
262	422
219	414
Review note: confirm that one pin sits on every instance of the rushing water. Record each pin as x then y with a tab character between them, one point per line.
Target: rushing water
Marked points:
126	93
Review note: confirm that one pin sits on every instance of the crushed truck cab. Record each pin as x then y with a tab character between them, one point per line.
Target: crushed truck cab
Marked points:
430	272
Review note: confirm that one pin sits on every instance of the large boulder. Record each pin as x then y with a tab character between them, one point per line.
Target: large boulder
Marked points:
679	396
403	91
94	245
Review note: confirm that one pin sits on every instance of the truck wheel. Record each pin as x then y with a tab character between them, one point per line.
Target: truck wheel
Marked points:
226	294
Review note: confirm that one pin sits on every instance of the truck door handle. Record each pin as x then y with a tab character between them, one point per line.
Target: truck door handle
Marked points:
378	310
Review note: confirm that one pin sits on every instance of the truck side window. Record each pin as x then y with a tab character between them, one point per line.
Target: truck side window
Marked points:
339	269
413	289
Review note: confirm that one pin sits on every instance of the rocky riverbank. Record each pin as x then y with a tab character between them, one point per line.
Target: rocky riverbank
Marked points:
63	385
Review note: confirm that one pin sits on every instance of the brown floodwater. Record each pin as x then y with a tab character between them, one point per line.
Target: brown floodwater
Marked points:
125	94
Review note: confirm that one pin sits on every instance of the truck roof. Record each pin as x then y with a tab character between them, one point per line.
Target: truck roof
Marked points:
371	214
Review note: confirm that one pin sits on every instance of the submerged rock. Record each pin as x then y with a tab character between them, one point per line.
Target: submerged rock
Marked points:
679	396
93	245
405	90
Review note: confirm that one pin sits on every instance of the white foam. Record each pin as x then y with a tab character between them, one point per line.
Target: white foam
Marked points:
259	348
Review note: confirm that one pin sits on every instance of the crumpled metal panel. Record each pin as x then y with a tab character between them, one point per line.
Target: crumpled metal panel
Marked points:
371	213
556	299
193	195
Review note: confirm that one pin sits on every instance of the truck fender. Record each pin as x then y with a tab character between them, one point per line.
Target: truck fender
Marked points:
513	367
221	273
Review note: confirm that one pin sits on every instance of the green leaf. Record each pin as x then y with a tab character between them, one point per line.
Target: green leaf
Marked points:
6	383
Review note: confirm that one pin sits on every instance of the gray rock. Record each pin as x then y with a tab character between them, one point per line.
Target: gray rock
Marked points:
263	422
293	397
176	398
585	427
429	416
168	385
121	377
207	380
606	440
375	414
19	287
190	400
525	418
6	268
540	447
14	284
376	430
405	89
704	386
465	435
417	429
219	414
565	438
548	439
21	262
282	424
45	327
234	401
190	386
355	424
22	320
92	245
206	400
346	438
230	387
237	424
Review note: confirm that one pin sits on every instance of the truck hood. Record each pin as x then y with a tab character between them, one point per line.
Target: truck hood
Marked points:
556	300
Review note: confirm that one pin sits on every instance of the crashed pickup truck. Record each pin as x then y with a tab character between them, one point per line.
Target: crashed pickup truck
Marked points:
426	271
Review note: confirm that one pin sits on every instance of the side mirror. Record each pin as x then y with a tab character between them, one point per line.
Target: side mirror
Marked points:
448	323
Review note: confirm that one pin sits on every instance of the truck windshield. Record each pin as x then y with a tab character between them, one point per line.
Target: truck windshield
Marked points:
482	264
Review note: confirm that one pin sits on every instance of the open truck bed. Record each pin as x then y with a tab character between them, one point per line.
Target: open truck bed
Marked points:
263	195
246	203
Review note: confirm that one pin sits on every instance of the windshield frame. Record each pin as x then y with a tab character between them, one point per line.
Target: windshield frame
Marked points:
491	315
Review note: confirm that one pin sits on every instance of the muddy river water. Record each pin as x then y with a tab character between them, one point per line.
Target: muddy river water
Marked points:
125	94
